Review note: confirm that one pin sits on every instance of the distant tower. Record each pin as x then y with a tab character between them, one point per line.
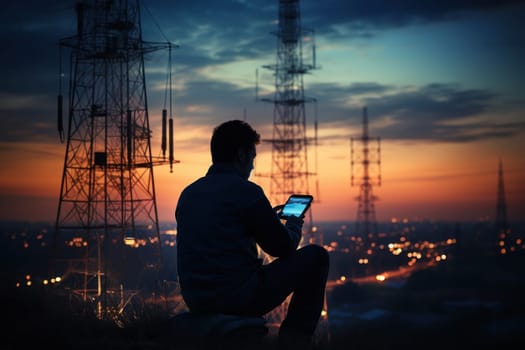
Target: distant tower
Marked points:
106	241
502	227
289	169
365	165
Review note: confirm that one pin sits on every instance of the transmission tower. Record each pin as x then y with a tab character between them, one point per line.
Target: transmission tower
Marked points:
289	168
107	241
365	164
502	226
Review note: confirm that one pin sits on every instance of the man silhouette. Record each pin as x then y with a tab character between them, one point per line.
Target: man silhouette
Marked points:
221	218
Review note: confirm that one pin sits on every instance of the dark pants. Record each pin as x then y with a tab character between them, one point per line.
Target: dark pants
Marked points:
304	274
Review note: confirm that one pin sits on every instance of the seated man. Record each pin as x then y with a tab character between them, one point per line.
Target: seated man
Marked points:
221	218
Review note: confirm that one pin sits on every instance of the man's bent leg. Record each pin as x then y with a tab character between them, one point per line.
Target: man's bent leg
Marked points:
304	274
307	300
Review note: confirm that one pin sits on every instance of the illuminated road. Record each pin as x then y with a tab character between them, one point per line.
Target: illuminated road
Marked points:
402	273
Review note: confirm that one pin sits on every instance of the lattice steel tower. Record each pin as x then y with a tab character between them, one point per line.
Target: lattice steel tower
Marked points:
107	243
502	226
365	164
289	169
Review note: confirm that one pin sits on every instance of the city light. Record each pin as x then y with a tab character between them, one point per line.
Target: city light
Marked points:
380	277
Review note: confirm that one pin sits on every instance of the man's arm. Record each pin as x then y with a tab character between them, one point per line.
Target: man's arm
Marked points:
271	235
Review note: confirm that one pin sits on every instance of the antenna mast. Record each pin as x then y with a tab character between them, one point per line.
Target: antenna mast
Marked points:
107	240
289	169
365	163
502	226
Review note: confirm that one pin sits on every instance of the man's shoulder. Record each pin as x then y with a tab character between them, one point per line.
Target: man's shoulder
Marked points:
252	188
231	183
192	185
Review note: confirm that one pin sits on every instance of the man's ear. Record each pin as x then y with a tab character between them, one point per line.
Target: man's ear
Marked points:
241	155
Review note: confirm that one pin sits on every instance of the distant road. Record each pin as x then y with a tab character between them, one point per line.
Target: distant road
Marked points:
401	273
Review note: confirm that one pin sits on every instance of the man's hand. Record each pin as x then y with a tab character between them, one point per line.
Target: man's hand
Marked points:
294	220
278	209
294	225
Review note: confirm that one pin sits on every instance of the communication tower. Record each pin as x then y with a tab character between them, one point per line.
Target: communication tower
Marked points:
289	168
502	226
365	164
107	241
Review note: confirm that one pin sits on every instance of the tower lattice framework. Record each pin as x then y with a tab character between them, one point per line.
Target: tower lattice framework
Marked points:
502	226
365	163
289	168
107	239
290	172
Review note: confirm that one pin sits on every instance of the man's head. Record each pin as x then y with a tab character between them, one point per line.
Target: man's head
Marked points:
234	142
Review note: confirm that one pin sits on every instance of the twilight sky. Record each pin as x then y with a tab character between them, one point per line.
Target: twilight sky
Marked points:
443	82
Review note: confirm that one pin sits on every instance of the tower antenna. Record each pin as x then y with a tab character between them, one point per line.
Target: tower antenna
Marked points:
365	162
107	239
502	226
290	171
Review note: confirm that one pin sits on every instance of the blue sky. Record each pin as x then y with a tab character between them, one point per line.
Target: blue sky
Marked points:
442	73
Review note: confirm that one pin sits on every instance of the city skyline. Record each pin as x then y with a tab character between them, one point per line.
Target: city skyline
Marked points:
441	83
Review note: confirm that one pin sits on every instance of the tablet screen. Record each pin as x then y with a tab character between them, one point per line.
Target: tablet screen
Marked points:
296	205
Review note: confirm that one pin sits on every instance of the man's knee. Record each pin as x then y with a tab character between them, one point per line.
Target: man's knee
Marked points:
317	255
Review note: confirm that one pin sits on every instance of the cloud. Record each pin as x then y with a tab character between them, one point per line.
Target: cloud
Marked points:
363	18
433	112
454	175
212	33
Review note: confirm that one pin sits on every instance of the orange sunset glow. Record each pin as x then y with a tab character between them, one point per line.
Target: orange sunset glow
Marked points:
445	119
419	180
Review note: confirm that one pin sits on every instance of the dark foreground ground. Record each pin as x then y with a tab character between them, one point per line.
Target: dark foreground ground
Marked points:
470	303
